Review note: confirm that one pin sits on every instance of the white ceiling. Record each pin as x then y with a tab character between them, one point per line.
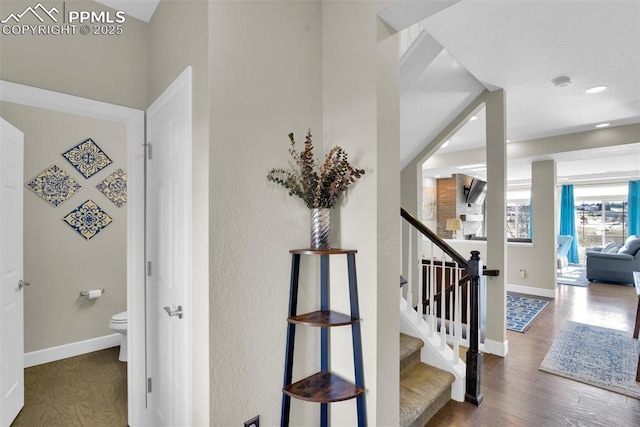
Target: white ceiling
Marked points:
520	46
141	9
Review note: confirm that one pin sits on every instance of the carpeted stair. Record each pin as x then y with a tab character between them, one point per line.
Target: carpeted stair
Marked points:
424	390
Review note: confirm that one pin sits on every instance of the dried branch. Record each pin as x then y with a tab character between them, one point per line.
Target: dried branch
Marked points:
318	187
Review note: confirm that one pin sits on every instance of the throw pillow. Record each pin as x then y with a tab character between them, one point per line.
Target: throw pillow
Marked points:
607	248
613	250
630	248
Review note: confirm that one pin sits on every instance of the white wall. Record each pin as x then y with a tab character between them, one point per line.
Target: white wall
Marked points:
111	68
265	81
361	113
496	218
538	258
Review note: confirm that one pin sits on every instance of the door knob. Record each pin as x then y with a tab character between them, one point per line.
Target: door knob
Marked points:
177	312
22	283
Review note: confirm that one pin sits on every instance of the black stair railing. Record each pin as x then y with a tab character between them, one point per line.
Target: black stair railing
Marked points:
474	269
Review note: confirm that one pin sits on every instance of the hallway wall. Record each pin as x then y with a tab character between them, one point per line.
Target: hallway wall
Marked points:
265	82
109	68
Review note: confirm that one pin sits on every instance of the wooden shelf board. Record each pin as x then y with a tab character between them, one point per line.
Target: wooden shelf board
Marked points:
323	318
332	251
323	387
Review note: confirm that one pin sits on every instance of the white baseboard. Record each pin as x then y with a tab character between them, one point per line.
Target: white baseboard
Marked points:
60	352
496	347
530	290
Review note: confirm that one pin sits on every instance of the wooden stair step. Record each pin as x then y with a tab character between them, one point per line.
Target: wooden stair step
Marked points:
424	390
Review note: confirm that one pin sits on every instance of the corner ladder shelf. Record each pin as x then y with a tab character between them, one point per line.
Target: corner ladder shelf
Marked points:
324	387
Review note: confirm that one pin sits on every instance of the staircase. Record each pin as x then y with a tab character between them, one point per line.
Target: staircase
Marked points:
424	390
447	293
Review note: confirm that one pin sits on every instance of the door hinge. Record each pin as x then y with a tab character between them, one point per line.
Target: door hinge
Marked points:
148	147
148	385
149	268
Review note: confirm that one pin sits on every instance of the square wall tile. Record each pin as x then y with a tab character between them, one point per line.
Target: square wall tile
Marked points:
54	185
88	219
114	187
88	158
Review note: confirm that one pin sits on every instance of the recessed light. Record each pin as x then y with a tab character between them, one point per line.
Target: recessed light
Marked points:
437	176
596	89
472	118
475	165
446	143
508	140
603	125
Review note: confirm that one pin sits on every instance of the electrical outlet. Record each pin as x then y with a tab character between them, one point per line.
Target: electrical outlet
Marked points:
523	273
253	422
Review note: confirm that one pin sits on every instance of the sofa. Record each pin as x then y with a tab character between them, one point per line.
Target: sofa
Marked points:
612	264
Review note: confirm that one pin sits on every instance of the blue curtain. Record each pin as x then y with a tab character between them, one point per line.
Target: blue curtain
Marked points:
633	203
568	221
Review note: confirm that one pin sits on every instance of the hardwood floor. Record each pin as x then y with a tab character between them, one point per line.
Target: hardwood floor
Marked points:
87	390
516	393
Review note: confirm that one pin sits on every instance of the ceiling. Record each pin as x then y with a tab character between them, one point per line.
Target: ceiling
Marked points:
141	9
521	46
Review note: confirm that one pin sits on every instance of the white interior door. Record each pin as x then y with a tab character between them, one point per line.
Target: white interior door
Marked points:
11	294
169	254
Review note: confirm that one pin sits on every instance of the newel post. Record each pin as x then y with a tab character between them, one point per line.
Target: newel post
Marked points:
474	358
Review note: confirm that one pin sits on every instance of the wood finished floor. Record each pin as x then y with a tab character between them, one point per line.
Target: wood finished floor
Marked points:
516	393
87	390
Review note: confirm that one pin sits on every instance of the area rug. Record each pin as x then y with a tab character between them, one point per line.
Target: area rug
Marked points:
521	311
574	275
602	357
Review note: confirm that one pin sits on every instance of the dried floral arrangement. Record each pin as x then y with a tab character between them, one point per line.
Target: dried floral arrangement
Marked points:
317	186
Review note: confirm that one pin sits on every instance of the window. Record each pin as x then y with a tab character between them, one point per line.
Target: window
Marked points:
601	221
518	223
518	213
601	214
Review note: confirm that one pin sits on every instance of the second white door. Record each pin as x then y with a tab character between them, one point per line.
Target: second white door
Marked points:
169	255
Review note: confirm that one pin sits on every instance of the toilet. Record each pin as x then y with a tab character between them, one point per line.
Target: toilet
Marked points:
119	324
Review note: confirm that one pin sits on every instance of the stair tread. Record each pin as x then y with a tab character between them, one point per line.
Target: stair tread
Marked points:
409	345
420	387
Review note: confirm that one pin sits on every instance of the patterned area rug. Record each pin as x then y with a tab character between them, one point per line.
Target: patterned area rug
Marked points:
574	275
521	311
602	357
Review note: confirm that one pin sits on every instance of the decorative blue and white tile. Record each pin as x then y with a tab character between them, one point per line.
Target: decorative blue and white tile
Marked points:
87	157
88	219
54	185
114	187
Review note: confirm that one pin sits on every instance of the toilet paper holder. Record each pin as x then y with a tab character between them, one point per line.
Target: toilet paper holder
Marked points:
86	293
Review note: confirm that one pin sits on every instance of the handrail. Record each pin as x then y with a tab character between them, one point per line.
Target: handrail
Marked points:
434	238
474	269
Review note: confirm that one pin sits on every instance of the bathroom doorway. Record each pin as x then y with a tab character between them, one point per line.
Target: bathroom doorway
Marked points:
133	122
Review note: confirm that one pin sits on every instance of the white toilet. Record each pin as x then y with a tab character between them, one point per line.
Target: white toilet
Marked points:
119	323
